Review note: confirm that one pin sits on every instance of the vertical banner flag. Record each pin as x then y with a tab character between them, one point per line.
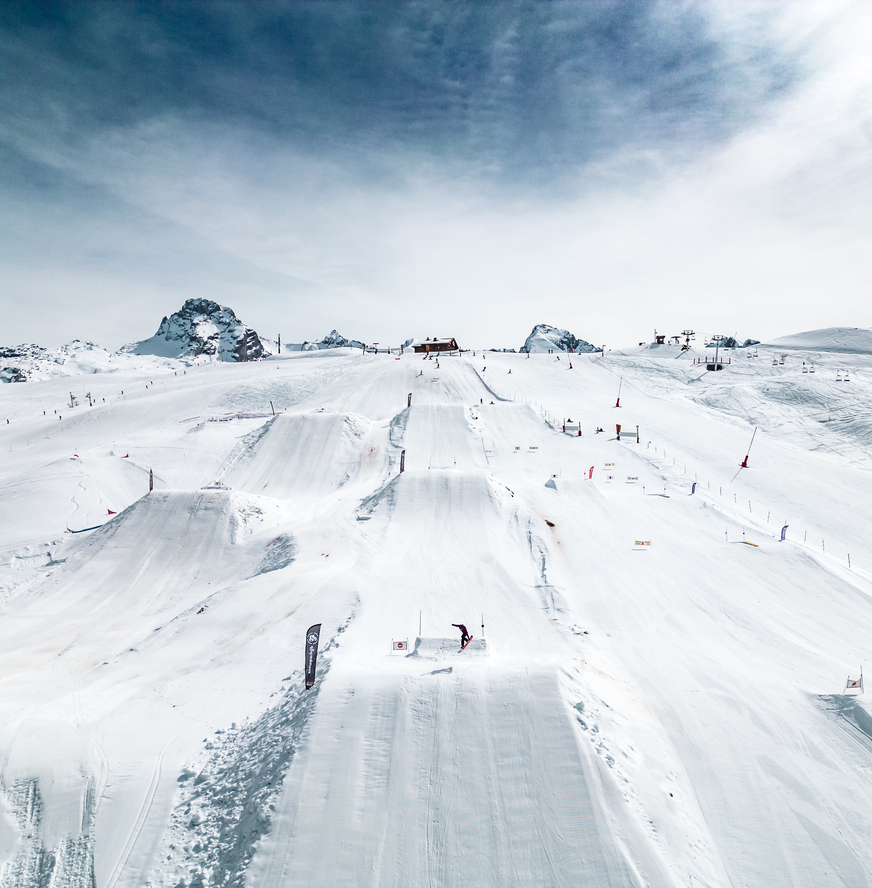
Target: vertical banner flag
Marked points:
410	400
402	462
784	532
618	427
312	635
693	489
590	474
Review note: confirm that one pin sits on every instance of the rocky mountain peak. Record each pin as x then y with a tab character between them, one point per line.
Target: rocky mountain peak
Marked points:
202	327
544	338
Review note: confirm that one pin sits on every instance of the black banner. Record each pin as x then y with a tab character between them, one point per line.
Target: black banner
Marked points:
402	462
312	635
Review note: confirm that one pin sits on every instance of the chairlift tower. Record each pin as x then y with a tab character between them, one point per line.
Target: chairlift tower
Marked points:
717	365
688	335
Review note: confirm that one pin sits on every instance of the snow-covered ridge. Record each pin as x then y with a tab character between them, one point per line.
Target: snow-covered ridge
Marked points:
201	330
847	340
545	338
33	362
334	339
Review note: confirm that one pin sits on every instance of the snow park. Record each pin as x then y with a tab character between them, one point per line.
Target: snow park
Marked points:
665	572
326	561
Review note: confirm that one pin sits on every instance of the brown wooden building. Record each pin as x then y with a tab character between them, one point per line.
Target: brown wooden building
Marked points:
436	345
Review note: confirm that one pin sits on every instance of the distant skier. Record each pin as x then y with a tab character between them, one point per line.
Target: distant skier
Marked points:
464	635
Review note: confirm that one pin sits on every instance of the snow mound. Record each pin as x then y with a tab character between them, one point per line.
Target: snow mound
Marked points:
847	340
303	457
202	327
544	338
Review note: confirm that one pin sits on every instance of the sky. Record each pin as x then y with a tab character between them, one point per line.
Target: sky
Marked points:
417	169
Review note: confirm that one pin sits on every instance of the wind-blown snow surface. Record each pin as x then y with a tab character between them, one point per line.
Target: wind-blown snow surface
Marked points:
663	715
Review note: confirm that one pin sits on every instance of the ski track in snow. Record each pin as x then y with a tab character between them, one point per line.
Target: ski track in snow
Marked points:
627	715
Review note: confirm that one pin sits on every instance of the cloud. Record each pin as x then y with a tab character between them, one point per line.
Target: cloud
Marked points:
450	168
515	90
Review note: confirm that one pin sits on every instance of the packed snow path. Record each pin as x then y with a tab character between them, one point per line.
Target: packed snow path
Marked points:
650	701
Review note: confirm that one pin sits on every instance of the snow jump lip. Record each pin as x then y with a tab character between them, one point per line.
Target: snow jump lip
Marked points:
439	648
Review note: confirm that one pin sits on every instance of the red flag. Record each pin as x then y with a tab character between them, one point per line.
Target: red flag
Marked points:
111	512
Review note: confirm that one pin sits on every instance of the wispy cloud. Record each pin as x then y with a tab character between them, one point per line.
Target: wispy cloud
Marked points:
453	167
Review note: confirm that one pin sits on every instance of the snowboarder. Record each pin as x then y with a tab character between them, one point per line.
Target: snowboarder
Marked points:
464	635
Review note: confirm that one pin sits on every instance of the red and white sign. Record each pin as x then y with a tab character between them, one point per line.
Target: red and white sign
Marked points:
401	645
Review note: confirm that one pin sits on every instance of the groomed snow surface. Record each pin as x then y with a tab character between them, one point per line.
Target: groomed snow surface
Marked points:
630	714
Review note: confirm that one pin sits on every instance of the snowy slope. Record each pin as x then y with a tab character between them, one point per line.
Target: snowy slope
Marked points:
659	715
849	340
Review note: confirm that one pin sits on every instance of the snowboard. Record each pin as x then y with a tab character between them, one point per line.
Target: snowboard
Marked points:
468	640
